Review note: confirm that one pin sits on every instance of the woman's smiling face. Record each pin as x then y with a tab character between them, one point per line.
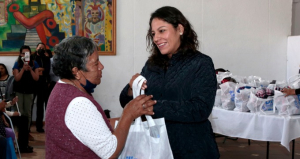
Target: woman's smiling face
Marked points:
166	37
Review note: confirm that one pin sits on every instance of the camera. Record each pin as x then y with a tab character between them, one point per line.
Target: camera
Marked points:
41	52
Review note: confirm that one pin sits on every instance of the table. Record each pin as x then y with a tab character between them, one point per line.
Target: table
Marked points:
253	126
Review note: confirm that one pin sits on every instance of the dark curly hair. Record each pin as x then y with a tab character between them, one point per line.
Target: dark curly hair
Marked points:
188	41
72	52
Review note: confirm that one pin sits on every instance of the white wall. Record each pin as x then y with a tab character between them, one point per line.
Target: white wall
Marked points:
293	56
296	18
247	37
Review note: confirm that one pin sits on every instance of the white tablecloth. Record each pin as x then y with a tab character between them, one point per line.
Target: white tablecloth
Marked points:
256	126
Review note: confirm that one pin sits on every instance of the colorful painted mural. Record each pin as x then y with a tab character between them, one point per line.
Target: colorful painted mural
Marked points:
28	22
98	22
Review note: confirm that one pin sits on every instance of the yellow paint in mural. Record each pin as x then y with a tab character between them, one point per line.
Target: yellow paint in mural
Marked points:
47	1
34	8
108	30
62	11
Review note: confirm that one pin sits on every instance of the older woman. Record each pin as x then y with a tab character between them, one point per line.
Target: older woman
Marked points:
183	82
76	124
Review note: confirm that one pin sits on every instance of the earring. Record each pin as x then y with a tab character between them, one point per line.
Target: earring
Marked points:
180	33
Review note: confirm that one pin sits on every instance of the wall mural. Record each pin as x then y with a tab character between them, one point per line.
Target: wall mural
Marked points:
28	22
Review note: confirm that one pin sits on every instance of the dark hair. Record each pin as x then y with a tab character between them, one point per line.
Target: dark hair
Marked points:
221	70
188	41
72	52
1	64
20	61
42	44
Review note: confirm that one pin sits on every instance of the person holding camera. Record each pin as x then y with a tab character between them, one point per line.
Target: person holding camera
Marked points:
42	90
26	74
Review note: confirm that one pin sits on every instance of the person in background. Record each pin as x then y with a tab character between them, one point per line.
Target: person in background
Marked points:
3	79
182	81
52	77
289	91
42	90
26	76
21	123
73	117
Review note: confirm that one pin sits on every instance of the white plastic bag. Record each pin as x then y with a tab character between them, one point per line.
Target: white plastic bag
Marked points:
254	81
227	95
222	75
280	85
242	97
289	105
294	81
149	139
264	83
141	145
218	102
260	105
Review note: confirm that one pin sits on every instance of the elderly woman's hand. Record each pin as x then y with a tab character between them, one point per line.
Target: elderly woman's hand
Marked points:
288	91
141	105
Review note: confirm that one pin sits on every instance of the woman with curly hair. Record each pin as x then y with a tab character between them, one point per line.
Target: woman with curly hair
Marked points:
183	82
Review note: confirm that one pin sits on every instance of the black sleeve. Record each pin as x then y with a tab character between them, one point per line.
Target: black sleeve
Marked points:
297	91
124	98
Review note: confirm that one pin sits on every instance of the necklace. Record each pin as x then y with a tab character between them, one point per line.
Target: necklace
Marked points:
73	84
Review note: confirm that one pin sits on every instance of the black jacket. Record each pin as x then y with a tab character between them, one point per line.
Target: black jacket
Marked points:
185	95
43	62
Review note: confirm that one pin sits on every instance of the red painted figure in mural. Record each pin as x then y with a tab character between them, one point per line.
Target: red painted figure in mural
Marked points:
37	22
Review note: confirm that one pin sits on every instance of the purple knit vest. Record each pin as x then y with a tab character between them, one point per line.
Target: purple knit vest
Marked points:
60	142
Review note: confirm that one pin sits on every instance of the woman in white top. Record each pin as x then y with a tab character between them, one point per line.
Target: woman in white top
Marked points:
76	126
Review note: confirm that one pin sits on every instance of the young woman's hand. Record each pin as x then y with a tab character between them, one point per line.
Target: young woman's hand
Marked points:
144	86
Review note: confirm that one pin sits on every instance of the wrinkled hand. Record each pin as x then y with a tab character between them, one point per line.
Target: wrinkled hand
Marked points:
144	86
288	91
141	105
